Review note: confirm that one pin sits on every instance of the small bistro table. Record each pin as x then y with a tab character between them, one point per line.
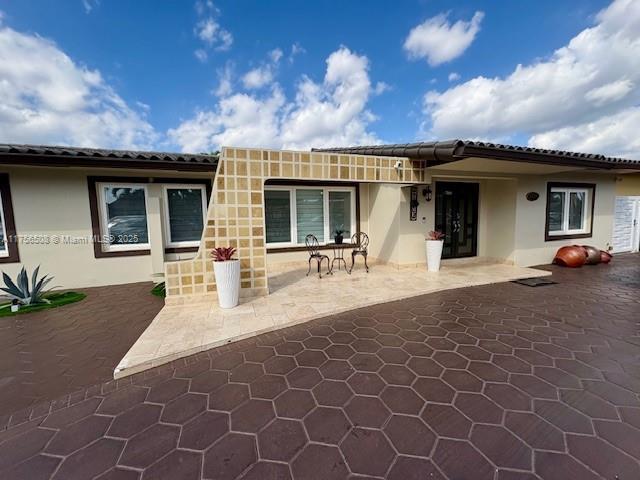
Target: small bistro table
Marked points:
338	254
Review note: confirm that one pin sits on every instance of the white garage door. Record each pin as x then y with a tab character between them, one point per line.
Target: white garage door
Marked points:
626	226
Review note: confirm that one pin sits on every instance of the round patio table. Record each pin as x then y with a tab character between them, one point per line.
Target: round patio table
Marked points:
338	255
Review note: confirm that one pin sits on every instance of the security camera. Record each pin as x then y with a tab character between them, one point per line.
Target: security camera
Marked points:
398	164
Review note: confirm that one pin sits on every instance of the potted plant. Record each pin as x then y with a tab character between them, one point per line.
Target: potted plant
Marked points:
227	272
434	241
338	235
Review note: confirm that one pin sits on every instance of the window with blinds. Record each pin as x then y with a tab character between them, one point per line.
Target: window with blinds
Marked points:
184	214
292	213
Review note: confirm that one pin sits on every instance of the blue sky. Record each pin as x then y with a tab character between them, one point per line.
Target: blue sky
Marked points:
137	75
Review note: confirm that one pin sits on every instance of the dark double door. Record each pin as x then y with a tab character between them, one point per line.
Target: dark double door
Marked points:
457	218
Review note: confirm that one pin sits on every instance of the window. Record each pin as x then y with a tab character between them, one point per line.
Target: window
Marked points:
124	217
8	240
278	215
310	214
292	213
4	244
185	209
569	210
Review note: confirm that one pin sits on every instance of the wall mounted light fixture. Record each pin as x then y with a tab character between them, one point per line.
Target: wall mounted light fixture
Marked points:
427	193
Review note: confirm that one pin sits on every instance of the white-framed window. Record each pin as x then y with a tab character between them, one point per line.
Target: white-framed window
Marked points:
4	245
185	208
123	212
292	213
569	210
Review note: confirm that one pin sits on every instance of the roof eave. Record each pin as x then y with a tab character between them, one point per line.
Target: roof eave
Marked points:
104	162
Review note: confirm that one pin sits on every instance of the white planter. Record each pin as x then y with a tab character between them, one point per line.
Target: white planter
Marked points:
227	282
434	254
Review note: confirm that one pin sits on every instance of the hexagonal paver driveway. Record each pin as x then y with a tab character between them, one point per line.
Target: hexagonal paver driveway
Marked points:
496	382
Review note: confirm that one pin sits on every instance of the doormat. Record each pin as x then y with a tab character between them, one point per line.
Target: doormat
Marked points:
535	281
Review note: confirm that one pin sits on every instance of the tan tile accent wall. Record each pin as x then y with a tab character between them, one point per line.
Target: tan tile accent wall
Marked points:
236	210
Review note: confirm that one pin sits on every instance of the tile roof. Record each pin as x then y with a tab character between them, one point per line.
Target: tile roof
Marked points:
45	155
453	150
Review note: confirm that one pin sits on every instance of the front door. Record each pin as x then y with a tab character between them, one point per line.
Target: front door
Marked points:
457	218
626	225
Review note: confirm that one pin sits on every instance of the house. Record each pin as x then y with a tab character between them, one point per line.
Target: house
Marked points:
98	217
499	202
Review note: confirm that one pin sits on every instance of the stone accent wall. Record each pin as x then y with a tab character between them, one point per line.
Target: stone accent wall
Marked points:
235	215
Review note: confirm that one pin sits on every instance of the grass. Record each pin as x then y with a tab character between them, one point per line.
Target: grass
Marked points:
56	299
159	290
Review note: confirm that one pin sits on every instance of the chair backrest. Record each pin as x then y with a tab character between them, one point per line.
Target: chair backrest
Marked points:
361	240
311	242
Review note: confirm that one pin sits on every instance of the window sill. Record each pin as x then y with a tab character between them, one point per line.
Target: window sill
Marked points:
10	258
121	253
551	238
304	249
181	249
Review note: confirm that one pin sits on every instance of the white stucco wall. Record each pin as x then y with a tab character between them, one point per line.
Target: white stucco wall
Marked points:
531	247
55	201
510	228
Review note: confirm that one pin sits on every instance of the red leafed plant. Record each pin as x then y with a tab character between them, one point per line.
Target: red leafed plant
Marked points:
435	235
223	254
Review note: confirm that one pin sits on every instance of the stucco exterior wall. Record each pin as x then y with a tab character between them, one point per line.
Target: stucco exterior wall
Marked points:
497	219
51	202
531	247
628	185
510	228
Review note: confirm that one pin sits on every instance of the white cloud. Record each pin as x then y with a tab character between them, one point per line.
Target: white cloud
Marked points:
201	54
611	92
263	75
439	41
275	55
587	83
209	30
331	112
615	135
296	49
454	77
258	77
225	81
90	5
47	98
381	87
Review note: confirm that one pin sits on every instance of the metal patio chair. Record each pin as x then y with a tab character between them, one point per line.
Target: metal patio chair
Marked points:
360	240
313	247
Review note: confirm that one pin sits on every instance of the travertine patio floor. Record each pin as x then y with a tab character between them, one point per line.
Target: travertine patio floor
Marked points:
181	330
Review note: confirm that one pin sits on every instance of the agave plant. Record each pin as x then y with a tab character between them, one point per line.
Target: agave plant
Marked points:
24	293
223	254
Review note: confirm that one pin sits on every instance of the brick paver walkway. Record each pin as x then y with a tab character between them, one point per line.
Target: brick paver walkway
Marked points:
497	382
48	354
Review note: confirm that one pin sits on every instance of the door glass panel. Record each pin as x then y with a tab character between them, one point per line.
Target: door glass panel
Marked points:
456	217
340	213
556	209
576	210
465	223
310	214
277	208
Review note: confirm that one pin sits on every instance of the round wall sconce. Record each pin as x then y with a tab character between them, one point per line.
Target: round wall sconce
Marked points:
532	196
427	193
